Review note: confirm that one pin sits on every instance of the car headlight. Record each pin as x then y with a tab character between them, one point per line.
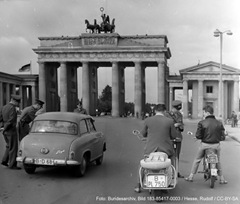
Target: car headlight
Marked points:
72	155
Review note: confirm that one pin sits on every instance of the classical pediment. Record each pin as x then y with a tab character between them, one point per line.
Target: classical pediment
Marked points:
209	67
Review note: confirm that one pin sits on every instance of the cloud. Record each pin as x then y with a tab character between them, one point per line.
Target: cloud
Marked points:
14	52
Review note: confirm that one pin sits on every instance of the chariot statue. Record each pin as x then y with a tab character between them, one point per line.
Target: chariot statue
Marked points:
105	26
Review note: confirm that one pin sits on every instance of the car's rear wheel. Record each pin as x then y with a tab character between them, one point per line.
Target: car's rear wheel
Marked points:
80	170
99	160
30	169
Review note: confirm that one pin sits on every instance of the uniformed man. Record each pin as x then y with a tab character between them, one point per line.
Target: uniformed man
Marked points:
27	116
9	120
80	109
177	117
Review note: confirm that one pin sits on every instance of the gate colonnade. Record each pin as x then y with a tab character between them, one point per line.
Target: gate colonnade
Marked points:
24	85
91	51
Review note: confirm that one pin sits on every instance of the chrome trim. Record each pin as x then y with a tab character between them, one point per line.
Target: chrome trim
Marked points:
57	162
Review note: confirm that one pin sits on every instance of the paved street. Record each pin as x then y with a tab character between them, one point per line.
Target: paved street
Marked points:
114	180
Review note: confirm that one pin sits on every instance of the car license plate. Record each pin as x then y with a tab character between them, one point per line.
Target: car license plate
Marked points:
44	161
212	159
156	181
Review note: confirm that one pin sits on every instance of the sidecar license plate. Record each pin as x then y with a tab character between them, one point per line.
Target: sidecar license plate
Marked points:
156	181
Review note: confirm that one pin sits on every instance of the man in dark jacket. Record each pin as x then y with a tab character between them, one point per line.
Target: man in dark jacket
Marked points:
9	118
210	131
27	116
159	131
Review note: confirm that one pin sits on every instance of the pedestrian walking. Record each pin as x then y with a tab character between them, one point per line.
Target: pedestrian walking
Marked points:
8	117
27	116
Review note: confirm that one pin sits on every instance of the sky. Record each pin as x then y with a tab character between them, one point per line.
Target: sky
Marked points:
188	25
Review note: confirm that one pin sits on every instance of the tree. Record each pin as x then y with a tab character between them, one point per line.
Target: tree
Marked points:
105	100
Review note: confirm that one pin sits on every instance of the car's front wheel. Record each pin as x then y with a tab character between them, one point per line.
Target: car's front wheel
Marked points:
30	169
80	170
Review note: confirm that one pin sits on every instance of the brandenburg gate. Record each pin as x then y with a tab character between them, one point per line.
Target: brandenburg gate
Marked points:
91	51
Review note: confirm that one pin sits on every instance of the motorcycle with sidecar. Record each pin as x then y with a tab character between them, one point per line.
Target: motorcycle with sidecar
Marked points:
157	174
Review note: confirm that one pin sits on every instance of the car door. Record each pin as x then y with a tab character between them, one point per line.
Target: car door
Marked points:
88	139
97	141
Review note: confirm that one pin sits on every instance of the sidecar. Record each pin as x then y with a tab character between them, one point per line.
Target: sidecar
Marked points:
156	173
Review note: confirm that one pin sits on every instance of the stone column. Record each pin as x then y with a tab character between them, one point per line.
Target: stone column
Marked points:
63	88
86	86
25	96
185	98
8	96
236	96
34	94
200	98
115	89
161	82
122	90
14	88
143	90
227	102
42	83
21	94
1	94
171	92
138	90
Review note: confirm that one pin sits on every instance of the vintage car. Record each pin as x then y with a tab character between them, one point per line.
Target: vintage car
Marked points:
62	139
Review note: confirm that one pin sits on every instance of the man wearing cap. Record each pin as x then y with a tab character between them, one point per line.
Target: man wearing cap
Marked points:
27	116
80	109
9	120
177	117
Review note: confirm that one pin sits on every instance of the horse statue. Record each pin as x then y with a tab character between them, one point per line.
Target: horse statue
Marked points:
92	27
105	25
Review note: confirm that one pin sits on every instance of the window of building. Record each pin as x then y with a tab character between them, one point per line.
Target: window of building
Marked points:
209	89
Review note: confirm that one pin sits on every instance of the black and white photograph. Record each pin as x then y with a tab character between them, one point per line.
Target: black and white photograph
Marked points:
108	101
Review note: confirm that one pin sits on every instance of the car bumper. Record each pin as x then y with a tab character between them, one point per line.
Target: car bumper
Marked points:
55	162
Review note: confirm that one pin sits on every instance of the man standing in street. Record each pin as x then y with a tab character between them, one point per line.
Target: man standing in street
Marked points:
210	131
9	119
27	116
177	117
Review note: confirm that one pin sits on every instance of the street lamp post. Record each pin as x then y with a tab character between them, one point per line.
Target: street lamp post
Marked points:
218	33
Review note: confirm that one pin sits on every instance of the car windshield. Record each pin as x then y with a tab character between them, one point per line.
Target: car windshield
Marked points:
54	126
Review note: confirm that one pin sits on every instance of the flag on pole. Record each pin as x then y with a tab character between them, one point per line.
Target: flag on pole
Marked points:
25	68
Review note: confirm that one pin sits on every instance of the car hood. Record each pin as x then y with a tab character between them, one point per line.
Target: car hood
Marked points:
47	145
